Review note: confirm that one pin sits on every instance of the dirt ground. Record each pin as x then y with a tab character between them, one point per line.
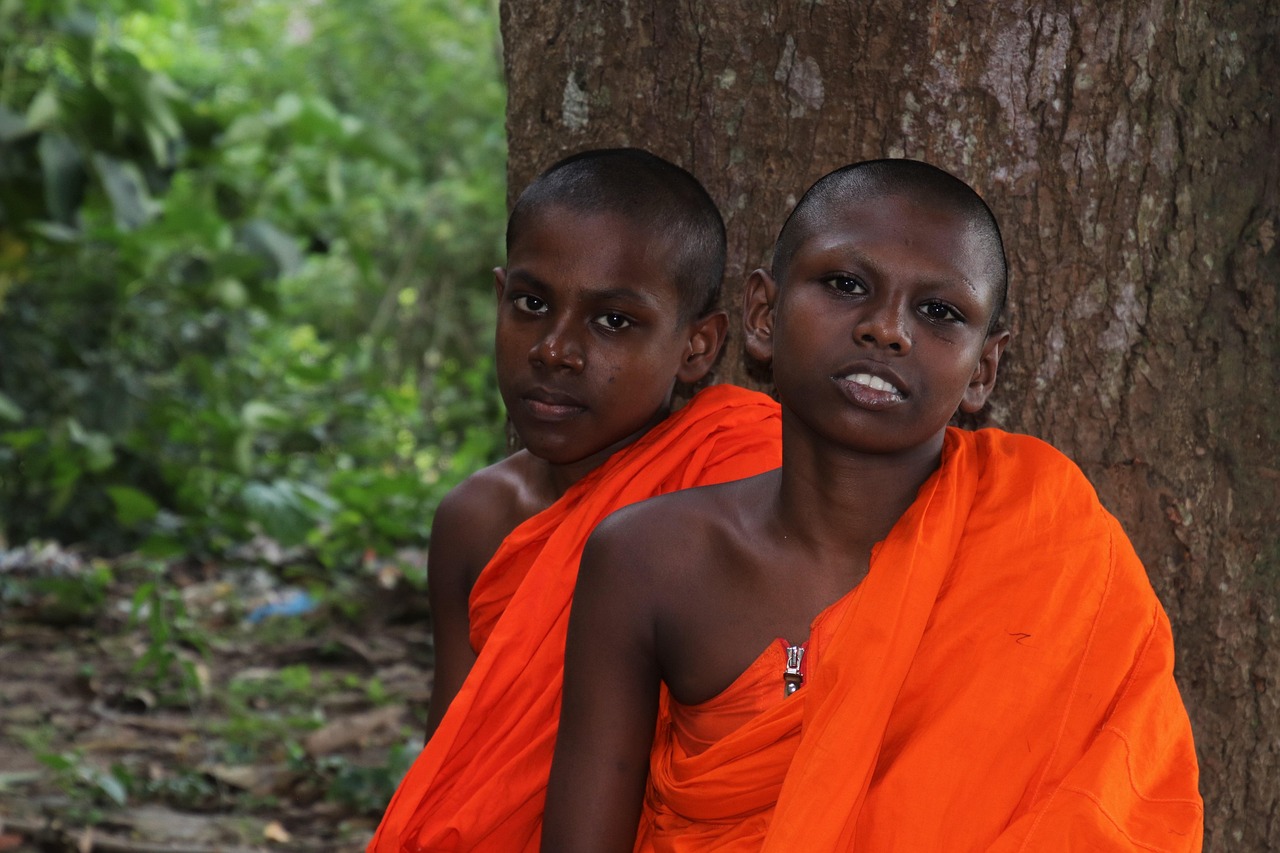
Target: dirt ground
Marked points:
202	707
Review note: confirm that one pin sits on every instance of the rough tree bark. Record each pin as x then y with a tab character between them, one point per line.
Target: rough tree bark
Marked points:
1132	152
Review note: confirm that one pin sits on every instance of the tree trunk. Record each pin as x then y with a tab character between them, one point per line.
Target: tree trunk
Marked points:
1132	153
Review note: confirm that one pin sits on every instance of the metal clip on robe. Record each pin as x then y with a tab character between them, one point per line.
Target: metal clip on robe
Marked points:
793	675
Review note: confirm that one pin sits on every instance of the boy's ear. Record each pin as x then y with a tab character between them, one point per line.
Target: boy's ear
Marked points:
706	337
499	281
758	304
983	380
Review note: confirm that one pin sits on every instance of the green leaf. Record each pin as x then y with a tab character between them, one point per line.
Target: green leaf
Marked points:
80	24
231	293
64	177
242	453
287	107
43	110
55	231
22	439
12	125
14	779
160	125
256	415
103	782
9	410
276	246
280	509
131	202
99	455
133	506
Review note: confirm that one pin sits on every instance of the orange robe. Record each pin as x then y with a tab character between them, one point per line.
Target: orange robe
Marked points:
1002	680
480	782
759	688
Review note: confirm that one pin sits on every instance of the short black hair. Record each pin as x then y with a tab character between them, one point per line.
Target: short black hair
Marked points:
873	179
652	194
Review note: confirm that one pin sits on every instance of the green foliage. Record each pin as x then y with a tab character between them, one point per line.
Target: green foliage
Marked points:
364	790
290	686
186	789
244	253
59	597
87	786
267	713
166	664
82	780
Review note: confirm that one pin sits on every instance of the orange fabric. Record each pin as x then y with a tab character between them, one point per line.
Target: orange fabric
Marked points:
503	575
480	782
1003	681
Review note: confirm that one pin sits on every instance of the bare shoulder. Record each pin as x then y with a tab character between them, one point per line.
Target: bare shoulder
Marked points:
502	484
672	542
678	583
477	514
469	526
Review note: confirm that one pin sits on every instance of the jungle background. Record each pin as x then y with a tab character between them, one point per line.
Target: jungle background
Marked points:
245	254
244	296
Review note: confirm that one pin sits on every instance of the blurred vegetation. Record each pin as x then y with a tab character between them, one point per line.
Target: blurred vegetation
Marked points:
244	269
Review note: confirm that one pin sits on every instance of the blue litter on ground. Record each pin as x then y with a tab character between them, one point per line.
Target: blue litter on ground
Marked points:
292	602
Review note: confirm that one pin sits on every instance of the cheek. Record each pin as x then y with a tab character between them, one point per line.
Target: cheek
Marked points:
510	340
606	373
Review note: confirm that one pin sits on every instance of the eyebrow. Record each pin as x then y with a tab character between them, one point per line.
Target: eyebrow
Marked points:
932	281
625	294
604	294
526	278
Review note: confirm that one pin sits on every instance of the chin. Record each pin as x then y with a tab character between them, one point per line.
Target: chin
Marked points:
556	454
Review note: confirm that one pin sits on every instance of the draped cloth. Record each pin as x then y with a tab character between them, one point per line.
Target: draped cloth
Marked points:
1002	681
480	781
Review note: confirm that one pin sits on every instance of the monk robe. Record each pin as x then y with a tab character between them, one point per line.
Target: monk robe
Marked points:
480	782
1001	680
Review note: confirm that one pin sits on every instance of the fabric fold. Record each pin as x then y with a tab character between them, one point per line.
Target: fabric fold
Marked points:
1003	681
480	782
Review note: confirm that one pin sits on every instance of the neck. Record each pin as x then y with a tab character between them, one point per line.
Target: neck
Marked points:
559	477
835	500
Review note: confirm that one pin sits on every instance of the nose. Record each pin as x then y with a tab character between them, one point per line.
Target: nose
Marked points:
558	350
885	325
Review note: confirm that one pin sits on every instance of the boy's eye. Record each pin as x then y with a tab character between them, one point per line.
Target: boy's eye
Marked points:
613	321
530	304
845	284
941	311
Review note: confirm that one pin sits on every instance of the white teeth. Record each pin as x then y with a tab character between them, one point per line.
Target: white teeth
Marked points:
873	382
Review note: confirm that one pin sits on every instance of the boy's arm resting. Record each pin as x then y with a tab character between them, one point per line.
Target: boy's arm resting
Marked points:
451	572
1135	785
609	710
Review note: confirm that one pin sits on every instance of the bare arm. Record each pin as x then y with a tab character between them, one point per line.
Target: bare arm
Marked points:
610	704
453	562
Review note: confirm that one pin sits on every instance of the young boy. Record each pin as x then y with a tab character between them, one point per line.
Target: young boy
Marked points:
608	300
961	649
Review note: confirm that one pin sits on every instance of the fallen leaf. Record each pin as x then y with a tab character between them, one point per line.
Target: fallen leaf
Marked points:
256	778
353	730
275	832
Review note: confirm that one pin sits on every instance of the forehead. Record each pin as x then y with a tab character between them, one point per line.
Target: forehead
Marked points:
925	241
599	247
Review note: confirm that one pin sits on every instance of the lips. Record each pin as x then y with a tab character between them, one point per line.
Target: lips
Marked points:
875	383
548	405
871	386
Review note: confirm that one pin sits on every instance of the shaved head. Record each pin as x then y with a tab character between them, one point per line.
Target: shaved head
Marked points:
861	183
652	194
